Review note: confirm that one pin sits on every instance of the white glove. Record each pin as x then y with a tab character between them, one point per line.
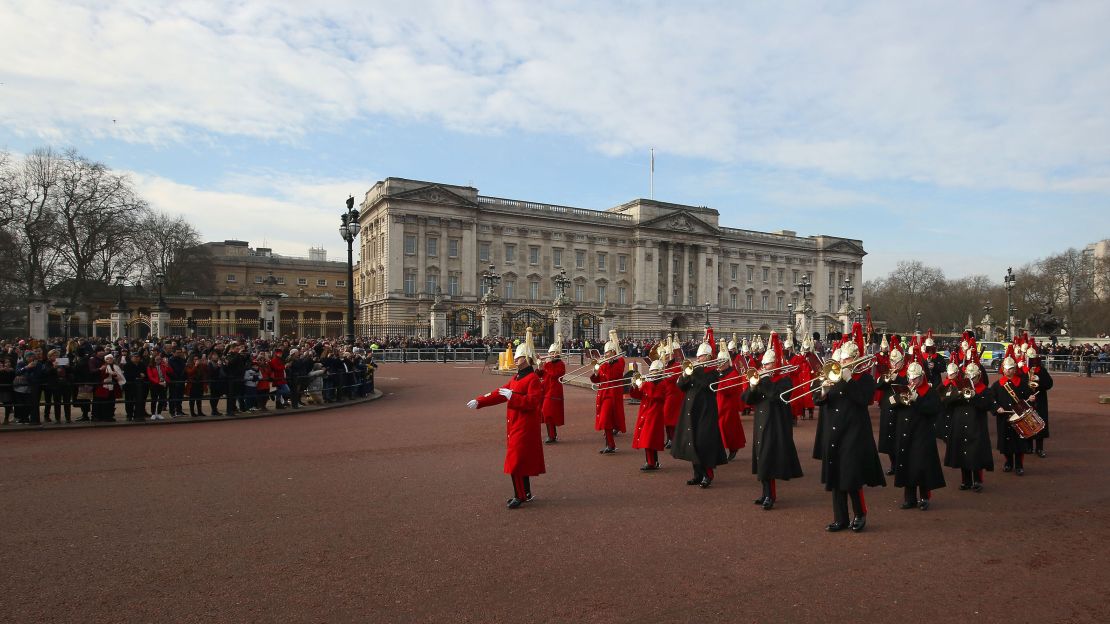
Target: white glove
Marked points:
505	392
754	382
472	403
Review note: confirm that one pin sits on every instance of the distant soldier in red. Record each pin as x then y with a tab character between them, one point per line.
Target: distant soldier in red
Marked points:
672	404
649	432
549	372
524	394
610	400
801	400
728	405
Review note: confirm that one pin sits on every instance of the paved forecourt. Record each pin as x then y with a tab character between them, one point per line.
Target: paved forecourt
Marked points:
394	511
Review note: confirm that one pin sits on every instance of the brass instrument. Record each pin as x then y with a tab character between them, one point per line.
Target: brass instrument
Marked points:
1034	381
964	385
902	394
635	379
751	376
583	371
829	375
688	366
890	376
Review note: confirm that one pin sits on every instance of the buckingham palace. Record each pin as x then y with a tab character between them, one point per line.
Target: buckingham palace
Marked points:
643	266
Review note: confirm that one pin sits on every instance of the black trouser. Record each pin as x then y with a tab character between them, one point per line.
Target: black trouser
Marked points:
58	397
1015	460
134	396
104	409
921	491
295	390
234	395
970	477
196	403
157	398
27	406
1038	443
840	505
216	390
176	393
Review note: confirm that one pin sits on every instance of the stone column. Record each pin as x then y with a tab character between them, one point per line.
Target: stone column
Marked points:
607	322
563	314
120	317
38	313
82	328
159	321
437	316
491	310
269	309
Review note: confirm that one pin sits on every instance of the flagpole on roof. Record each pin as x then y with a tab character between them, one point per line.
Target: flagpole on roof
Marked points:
651	177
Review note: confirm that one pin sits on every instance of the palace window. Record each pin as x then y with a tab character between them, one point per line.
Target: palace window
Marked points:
410	244
766	274
733	300
735	269
622	295
622	263
321	282
281	280
453	285
257	279
302	281
483	252
510	252
431	283
751	273
338	283
510	288
433	247
579	259
534	290
579	292
410	281
557	257
453	248
602	290
533	255
782	273
765	301
601	259
231	278
780	302
751	301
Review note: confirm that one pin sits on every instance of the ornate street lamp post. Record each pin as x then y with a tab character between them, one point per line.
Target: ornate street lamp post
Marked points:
1009	281
491	279
561	283
348	231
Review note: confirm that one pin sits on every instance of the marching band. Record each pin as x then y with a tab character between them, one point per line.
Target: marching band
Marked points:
694	407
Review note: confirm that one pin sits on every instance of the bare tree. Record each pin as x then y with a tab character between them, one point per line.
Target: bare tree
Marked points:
30	214
171	246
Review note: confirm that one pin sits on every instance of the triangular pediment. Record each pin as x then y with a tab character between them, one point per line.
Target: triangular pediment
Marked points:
680	221
435	194
844	246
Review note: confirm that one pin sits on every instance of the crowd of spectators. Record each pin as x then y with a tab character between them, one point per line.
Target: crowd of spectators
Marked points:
90	379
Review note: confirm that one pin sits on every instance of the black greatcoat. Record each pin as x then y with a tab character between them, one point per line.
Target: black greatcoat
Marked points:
697	438
1009	442
849	458
822	424
774	455
916	460
969	443
934	368
1044	381
888	418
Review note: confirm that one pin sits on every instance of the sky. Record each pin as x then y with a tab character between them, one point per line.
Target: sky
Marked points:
970	136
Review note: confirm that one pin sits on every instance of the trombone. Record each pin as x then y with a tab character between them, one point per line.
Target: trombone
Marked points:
829	374
584	370
750	375
688	366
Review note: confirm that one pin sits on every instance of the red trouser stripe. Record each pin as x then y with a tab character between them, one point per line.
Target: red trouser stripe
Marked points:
709	473
551	431
518	487
609	439
774	496
862	502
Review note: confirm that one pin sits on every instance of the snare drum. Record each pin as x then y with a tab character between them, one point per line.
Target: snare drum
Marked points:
1027	424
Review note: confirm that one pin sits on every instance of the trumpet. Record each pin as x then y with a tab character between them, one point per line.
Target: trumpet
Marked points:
829	374
583	371
688	366
751	375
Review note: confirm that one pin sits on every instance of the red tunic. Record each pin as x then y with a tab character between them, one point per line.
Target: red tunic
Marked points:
552	410
673	396
649	432
524	449
610	401
728	411
802	375
741	363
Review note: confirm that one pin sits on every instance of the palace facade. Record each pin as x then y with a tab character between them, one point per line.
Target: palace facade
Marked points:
649	265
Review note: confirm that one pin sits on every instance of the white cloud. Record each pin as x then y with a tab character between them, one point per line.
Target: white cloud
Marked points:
267	210
989	95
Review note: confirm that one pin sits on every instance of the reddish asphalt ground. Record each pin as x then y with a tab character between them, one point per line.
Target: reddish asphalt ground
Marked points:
394	511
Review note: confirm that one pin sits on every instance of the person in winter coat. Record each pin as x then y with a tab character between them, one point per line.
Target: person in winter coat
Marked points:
917	464
549	372
649	433
196	374
728	405
158	376
888	418
698	436
849	459
969	439
609	404
523	395
1038	375
774	455
315	383
1011	445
